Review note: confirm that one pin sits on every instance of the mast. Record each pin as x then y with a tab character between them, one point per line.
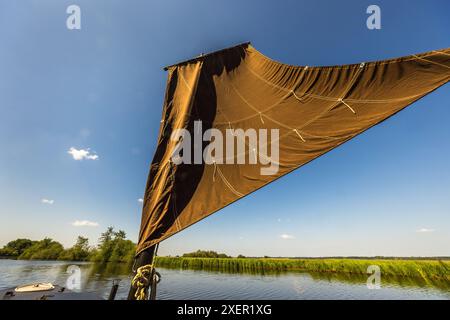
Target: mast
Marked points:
144	258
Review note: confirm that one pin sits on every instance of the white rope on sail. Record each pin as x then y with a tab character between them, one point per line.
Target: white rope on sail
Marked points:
300	136
226	159
228	184
261	118
336	101
184	80
347	105
440	52
214	172
174	201
433	62
295	95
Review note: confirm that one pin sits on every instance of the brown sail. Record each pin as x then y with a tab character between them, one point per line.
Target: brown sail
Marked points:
312	109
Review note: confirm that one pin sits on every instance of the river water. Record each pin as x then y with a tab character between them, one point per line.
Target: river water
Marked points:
188	284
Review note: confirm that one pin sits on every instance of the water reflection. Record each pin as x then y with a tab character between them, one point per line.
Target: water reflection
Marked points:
223	284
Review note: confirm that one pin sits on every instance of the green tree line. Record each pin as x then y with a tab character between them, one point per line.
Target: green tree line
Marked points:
205	254
112	247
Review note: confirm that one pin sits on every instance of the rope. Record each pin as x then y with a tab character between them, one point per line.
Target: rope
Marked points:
298	133
231	128
146	275
214	172
336	101
434	62
260	116
348	106
440	52
228	184
296	97
141	281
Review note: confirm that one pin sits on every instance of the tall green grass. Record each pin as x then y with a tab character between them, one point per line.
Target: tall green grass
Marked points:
426	269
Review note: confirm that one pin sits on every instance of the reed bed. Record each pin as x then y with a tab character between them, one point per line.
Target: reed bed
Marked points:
426	269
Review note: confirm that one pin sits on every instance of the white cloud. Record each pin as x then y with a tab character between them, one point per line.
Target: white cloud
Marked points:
84	223
141	200
423	230
82	154
286	236
47	201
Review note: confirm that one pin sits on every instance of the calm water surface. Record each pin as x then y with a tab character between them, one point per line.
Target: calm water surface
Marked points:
187	284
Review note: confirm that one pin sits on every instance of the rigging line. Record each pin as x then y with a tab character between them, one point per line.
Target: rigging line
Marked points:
296	131
305	95
228	184
260	116
174	203
344	93
279	139
346	90
320	137
289	92
344	137
327	98
214	172
190	89
256	109
225	160
441	52
434	62
258	153
255	115
369	64
382	100
348	106
230	127
184	80
296	97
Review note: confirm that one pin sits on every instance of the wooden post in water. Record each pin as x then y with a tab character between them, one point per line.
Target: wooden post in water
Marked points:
144	258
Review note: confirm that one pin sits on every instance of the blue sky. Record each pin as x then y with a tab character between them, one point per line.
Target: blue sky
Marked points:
101	89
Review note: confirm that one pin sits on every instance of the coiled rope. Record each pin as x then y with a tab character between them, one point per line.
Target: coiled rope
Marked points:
142	280
145	277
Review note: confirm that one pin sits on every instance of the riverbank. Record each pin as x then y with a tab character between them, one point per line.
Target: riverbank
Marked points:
426	269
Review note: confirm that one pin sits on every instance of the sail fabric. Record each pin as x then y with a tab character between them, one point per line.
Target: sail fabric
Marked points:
310	111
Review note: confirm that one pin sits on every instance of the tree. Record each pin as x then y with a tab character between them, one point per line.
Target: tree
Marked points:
79	252
16	248
105	246
205	254
46	249
114	247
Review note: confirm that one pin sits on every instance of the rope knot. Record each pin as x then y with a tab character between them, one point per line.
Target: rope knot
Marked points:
142	281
